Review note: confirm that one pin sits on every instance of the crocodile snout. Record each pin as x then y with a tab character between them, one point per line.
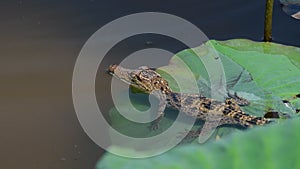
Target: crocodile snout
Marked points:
111	68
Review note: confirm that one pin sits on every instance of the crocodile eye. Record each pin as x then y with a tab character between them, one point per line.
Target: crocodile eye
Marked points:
144	67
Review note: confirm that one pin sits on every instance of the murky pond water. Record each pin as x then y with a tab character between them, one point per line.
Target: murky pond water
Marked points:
40	41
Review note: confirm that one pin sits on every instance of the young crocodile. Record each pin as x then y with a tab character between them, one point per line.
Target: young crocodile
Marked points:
196	105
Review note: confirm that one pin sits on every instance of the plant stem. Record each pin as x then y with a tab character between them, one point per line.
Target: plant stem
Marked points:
268	21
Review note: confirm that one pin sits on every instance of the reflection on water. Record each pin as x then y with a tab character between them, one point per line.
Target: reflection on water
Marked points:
40	41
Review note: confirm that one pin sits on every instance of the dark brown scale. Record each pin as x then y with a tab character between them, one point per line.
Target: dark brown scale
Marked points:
238	115
207	105
258	118
174	96
226	111
259	121
194	109
178	104
228	102
189	101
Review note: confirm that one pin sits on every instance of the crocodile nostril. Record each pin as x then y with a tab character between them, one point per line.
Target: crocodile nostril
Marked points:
112	68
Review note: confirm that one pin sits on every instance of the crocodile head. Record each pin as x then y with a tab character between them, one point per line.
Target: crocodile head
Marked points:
143	78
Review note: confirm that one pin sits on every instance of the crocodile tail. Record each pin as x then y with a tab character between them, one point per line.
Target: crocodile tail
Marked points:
247	120
253	120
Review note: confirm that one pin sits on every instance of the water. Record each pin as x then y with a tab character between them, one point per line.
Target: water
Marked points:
40	41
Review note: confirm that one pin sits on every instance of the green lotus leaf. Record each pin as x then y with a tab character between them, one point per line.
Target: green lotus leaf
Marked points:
263	73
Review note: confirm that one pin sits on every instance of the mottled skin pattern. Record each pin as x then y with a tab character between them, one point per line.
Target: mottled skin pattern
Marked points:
196	105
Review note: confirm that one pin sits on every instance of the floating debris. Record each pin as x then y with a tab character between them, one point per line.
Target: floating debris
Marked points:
291	8
149	43
63	159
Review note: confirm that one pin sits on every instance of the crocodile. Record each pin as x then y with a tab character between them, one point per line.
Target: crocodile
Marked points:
212	111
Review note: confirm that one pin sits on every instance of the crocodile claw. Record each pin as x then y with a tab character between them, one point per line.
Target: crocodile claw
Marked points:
154	126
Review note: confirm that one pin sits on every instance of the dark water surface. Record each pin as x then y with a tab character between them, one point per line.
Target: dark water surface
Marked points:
40	41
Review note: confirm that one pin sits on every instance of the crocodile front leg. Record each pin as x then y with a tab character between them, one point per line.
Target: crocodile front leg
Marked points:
161	108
